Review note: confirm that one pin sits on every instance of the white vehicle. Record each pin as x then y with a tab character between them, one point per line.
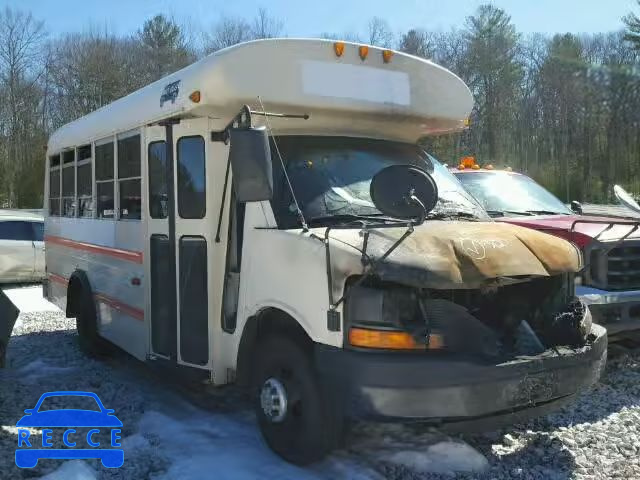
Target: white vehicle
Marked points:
364	281
21	247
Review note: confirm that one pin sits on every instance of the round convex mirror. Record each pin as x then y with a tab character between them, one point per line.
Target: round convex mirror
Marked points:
395	189
625	198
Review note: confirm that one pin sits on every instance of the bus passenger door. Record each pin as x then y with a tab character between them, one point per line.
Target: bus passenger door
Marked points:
194	233
161	290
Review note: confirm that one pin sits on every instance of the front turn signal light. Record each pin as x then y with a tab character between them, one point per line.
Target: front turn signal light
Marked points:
390	340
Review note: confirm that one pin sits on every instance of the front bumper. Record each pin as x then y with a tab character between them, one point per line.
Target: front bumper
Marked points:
617	311
459	393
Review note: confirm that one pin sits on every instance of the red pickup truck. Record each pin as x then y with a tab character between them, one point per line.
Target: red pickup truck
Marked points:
610	281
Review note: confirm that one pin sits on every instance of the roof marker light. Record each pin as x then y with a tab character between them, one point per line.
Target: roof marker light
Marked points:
386	55
338	47
363	51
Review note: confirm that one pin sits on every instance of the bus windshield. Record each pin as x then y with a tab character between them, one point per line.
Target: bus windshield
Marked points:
331	177
508	194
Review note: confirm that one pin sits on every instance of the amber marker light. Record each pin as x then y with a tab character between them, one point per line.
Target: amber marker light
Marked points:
363	51
338	48
387	55
195	96
391	340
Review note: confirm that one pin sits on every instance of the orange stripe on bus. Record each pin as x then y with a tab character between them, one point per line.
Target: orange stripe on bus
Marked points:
111	302
58	279
133	312
129	255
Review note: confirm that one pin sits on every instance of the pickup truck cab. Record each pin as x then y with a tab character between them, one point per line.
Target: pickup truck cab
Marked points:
610	281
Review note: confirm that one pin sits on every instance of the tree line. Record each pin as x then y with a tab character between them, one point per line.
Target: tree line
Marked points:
565	108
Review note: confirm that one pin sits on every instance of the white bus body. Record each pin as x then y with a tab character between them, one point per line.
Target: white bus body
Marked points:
192	303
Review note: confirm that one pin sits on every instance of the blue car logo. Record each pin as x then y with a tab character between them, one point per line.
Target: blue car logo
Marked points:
27	455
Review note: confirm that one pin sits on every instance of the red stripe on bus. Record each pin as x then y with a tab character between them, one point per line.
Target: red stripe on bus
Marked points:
121	307
111	302
129	255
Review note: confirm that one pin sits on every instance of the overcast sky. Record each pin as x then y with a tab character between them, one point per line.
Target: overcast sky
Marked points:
310	18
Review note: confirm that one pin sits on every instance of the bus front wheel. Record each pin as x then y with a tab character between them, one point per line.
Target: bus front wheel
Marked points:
299	420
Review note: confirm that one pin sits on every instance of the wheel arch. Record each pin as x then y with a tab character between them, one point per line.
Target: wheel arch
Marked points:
78	286
268	320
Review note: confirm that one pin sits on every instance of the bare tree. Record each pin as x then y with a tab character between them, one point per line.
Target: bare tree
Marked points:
21	66
266	26
226	32
379	33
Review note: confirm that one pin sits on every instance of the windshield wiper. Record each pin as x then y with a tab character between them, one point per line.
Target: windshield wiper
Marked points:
441	215
543	212
502	213
350	218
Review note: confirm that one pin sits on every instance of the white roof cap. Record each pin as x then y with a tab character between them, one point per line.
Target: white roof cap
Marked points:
404	99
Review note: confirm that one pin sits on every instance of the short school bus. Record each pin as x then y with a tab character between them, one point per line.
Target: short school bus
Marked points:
358	280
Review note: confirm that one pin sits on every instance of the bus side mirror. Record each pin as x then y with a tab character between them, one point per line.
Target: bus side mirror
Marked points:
250	157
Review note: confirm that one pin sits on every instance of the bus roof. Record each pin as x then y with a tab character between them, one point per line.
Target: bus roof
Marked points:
402	99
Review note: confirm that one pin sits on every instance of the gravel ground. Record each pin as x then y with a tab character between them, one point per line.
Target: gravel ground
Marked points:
596	437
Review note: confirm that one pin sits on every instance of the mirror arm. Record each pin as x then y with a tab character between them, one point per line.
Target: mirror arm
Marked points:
417	201
365	275
224	197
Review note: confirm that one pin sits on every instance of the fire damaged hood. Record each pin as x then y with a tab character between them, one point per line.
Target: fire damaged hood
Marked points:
460	255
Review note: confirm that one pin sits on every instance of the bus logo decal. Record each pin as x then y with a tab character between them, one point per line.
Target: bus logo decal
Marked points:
170	92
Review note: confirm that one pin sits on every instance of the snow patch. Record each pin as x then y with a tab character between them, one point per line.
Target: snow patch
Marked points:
199	444
39	368
29	299
72	470
443	457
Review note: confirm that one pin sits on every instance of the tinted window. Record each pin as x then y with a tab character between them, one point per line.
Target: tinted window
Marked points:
68	182
38	231
129	157
157	180
191	177
130	201
84	152
104	161
68	156
105	199
16	230
84	180
54	183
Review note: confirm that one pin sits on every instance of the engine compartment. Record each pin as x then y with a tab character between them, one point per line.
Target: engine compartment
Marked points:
497	323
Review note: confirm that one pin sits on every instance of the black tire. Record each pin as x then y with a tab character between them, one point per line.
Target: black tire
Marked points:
91	343
313	424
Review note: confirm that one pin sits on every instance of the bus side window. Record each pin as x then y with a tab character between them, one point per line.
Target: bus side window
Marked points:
54	185
129	177
68	184
104	180
192	192
158	207
84	181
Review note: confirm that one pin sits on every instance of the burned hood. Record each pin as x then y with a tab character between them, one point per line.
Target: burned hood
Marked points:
460	255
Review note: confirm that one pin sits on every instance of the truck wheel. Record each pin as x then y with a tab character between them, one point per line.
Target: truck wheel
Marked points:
299	420
89	340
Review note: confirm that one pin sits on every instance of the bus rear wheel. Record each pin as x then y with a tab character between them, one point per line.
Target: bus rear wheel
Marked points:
89	340
299	420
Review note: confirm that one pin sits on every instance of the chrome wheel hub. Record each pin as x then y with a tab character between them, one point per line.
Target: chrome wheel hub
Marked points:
273	400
